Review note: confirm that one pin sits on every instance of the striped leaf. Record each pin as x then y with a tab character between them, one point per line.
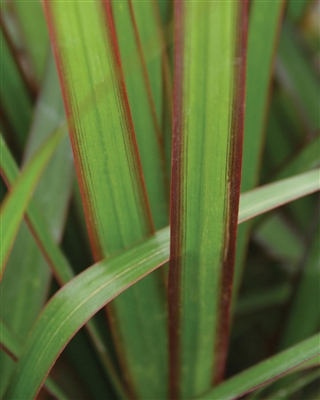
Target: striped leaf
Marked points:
207	146
14	348
74	305
264	24
142	105
125	269
110	178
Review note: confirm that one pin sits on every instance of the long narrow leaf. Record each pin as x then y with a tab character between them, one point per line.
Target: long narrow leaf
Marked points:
8	342
21	294
15	204
14	348
131	265
287	190
308	288
110	178
14	99
35	35
145	119
75	303
266	371
207	147
59	264
264	24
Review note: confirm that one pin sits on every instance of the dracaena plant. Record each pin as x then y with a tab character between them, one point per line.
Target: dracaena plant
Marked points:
128	131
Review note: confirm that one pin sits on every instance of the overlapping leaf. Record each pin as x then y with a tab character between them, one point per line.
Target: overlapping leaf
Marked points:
15	204
91	290
110	178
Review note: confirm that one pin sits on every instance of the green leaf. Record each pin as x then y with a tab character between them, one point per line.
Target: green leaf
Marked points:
295	74
264	26
75	303
110	179
16	202
35	33
24	290
14	100
59	264
56	259
153	35
267	370
142	104
14	348
257	201
81	290
259	300
298	384
307	158
296	9
307	288
276	236
209	80
7	341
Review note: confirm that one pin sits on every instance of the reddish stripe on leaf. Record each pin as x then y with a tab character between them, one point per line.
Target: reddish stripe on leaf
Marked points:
142	192
234	171
72	130
176	206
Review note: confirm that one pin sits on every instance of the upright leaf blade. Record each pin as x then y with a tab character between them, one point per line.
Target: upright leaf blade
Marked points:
110	178
142	106
14	99
264	24
208	123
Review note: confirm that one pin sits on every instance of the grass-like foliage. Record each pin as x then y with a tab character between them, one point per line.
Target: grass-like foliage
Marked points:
159	200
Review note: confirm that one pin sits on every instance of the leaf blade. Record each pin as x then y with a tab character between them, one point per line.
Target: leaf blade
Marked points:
120	273
265	371
285	191
110	178
16	202
206	150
